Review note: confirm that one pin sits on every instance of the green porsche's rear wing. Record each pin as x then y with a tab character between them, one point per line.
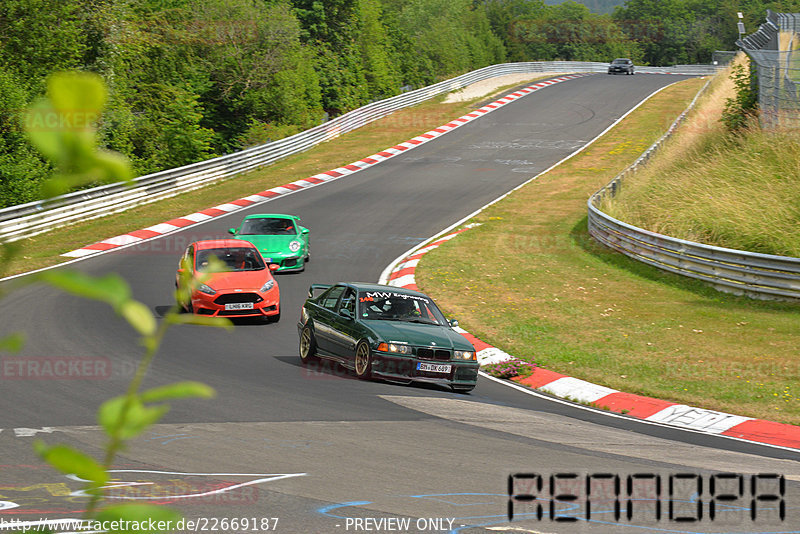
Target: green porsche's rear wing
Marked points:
315	287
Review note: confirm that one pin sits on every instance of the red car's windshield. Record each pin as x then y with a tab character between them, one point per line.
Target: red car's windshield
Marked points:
234	259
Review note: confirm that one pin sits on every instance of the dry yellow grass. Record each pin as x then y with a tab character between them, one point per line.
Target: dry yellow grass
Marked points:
710	186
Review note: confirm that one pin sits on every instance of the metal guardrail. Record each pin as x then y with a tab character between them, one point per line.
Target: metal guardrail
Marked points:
26	220
735	271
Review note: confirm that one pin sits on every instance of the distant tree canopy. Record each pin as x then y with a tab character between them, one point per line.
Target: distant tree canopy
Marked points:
191	79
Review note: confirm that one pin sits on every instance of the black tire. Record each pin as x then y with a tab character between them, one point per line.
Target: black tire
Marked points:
308	345
363	360
277	317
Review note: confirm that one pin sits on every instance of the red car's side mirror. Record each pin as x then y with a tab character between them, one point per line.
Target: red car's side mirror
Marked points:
274	267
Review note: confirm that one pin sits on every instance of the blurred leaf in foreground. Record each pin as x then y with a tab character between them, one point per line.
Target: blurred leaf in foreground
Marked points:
62	127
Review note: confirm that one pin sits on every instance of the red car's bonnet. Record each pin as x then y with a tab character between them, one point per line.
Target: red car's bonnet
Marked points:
239	279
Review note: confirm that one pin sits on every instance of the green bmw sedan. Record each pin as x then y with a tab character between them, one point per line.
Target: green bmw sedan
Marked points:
386	332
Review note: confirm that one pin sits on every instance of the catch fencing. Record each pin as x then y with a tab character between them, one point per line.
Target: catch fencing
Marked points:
756	275
26	220
772	50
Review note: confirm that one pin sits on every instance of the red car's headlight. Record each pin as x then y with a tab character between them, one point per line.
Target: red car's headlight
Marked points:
208	290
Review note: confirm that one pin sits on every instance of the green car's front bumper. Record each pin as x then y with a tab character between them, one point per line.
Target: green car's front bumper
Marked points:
394	367
294	261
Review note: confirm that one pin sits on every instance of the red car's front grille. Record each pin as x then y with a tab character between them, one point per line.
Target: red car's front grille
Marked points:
232	298
236	312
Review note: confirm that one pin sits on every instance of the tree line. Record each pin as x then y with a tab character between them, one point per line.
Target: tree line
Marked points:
193	79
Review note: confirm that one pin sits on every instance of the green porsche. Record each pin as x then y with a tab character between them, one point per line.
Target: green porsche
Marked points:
385	332
279	238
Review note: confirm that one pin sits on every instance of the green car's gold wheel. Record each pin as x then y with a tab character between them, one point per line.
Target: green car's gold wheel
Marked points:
363	360
308	345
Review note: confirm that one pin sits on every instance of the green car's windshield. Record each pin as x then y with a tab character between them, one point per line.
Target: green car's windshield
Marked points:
391	306
268	226
234	258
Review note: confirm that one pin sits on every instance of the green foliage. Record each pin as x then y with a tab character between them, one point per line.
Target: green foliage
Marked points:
191	79
437	39
111	288
127	416
375	51
179	390
70	143
22	170
740	109
72	462
38	37
61	127
595	6
12	342
331	29
181	138
679	31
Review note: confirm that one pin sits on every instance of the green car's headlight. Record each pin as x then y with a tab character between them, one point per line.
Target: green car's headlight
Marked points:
394	347
208	290
464	355
294	246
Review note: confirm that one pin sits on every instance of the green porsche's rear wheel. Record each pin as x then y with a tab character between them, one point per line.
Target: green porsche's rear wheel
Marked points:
363	360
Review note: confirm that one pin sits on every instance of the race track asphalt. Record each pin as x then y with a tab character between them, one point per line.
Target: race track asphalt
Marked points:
363	450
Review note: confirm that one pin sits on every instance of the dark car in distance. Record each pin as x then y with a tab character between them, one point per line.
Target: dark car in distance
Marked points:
621	64
386	332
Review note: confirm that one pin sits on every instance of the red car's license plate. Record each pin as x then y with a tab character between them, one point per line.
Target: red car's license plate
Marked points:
239	306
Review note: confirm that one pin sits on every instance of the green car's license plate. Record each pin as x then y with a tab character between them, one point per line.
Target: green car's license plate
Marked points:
433	367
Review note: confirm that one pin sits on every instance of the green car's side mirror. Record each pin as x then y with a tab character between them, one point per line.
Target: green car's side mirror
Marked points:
344	312
232	231
453	322
303	230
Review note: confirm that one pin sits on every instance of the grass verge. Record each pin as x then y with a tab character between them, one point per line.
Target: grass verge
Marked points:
531	281
737	191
